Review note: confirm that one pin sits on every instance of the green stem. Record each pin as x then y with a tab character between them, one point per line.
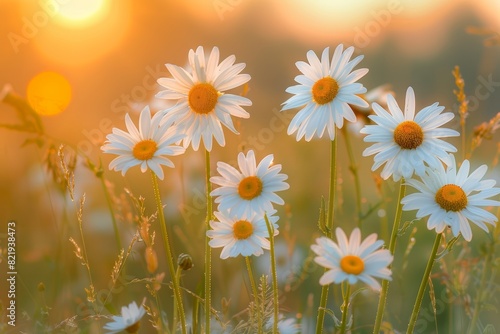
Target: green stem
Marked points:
392	246
423	285
270	230
208	249
353	167
168	251
345	309
329	223
113	218
480	292
176	305
254	292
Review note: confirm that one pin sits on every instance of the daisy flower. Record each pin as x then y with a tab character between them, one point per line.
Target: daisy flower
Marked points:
202	104
129	320
352	260
326	90
453	199
147	146
404	141
241	236
285	326
378	95
253	189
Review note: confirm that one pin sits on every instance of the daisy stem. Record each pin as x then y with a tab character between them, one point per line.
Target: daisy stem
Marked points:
345	309
329	223
254	292
270	229
392	246
353	167
423	284
110	206
208	249
168	251
333	185
176	305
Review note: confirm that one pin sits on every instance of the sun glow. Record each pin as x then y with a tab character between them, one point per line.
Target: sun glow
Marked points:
80	12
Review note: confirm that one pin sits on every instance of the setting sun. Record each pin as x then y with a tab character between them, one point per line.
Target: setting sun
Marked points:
78	12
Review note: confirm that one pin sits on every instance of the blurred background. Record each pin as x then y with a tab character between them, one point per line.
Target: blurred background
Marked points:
107	56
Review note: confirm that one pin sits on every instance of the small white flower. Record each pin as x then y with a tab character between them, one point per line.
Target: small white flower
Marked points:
378	95
453	199
241	236
129	320
202	104
147	146
403	142
285	326
289	262
326	90
352	260
251	190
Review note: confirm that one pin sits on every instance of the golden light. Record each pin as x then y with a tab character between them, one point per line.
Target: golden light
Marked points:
81	42
79	12
320	20
48	93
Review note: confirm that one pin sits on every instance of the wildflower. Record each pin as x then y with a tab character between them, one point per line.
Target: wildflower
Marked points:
289	261
202	105
453	199
326	90
241	236
377	94
251	190
352	260
147	146
129	320
403	142
285	326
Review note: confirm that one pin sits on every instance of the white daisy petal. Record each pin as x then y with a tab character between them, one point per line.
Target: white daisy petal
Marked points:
146	147
202	104
130	316
407	142
252	189
351	259
455	199
325	90
240	235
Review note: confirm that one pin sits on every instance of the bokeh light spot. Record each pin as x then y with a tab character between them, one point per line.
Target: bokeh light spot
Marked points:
49	93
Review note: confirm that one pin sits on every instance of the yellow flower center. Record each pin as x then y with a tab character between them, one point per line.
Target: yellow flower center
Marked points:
250	187
451	198
133	328
324	90
203	98
408	135
144	150
352	264
242	229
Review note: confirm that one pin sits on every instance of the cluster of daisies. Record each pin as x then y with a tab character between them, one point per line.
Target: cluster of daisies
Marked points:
408	144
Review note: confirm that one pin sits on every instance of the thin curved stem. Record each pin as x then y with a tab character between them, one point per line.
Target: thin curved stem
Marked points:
208	249
345	309
254	292
353	167
329	224
392	246
168	252
270	229
423	284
